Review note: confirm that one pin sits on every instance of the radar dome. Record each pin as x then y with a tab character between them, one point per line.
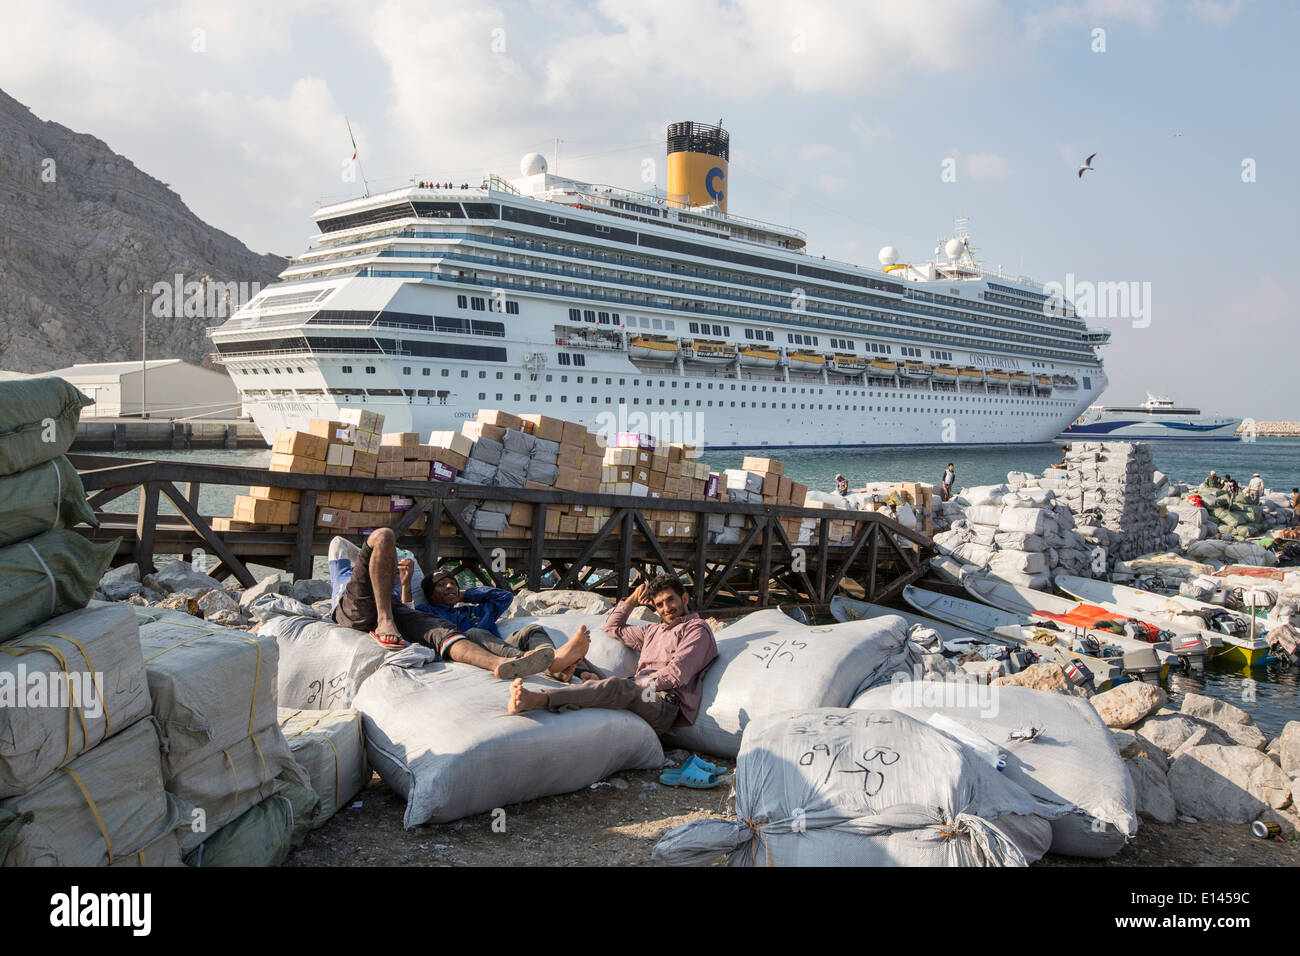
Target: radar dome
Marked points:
952	248
888	256
532	164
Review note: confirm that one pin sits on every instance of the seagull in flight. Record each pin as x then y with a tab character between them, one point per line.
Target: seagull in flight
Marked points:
1087	165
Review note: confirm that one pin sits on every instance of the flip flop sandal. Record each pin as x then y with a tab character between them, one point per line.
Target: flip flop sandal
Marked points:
692	775
706	766
532	663
673	778
392	642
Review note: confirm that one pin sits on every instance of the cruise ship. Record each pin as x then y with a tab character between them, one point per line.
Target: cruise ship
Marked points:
1155	419
658	312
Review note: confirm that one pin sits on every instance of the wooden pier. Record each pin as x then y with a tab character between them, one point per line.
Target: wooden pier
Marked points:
763	569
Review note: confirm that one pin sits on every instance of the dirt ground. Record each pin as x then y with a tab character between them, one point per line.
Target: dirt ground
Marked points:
617	823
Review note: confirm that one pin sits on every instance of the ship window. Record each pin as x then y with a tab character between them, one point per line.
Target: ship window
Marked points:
482	396
564	358
446	372
482	374
657	323
588	315
477	304
575	315
579	360
462	301
406	370
695	328
370	370
464	373
426	371
346	369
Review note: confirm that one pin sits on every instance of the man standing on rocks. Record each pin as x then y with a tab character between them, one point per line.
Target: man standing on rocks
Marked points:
669	679
367	603
949	477
474	613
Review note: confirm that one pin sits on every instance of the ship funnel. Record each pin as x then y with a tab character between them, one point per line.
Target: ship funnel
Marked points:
697	164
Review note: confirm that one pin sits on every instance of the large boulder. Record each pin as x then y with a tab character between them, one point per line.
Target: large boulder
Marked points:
1212	782
1154	799
1128	703
1202	736
1045	676
309	591
1288	748
1270	784
218	601
118	584
544	603
983	671
181	576
1131	746
1233	721
1169	731
271	584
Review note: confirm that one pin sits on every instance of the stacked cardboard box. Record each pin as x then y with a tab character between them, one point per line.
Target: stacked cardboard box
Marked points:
763	481
643	466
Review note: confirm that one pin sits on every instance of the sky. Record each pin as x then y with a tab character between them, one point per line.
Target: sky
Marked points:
863	125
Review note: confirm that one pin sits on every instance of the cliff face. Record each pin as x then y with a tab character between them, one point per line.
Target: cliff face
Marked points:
81	230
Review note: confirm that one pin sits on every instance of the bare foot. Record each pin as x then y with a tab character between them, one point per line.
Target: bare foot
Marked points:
522	699
564	676
572	651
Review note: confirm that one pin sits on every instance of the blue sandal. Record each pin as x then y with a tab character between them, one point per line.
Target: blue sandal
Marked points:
695	773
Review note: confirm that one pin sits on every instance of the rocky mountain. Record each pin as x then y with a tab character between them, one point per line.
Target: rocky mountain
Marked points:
81	230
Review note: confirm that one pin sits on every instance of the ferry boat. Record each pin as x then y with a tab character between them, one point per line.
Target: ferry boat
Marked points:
1155	419
577	300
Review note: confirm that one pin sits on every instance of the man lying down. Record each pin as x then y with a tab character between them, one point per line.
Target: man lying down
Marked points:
372	593
666	690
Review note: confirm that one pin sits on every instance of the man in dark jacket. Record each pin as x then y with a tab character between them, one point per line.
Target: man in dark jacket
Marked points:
473	616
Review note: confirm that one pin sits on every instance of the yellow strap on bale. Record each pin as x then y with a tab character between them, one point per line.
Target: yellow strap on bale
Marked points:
208	632
99	821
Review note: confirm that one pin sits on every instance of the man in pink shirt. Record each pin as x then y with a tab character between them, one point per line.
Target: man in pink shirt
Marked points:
670	673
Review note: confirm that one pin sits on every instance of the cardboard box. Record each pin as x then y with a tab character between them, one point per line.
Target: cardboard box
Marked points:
621	456
375	503
364	464
452	459
338	471
299	444
659	463
275	494
763	464
391	453
369	442
552	521
594	444
346	500
399	503
568	525
568	479
798	493
297	464
363	419
453	441
521	515
416	470
639	490
260	510
476	430
391	469
552	429
783	491
333	431
771	486
400	439
332	518
492	416
440	472
339	454
574	434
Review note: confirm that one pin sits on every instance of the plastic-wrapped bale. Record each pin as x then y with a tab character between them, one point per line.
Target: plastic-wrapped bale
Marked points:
321	664
48	575
265	834
768	662
42	498
106	805
224	785
1071	761
38	419
211	687
614	658
90	670
330	747
164	851
842	787
439	735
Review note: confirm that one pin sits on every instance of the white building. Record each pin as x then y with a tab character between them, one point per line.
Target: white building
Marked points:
169	388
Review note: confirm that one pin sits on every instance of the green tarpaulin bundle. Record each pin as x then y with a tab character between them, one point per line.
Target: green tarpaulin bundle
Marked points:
38	419
50	574
264	834
43	498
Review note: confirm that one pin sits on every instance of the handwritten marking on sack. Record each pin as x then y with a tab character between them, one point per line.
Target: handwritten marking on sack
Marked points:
773	651
873	779
327	691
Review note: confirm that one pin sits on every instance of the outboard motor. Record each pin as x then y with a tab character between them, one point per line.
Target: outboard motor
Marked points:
1143	664
1191	650
1079	675
1285	644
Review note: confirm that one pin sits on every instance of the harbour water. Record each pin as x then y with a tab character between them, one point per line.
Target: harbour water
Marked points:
1271	694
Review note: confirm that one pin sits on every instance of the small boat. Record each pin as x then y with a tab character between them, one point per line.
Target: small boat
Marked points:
1182	614
997	375
751	357
972	373
883	365
1020	378
713	353
946	373
915	370
1066	383
849	364
1043	381
806	361
652	349
954	637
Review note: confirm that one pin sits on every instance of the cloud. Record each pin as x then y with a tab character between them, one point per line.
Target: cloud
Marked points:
1218	12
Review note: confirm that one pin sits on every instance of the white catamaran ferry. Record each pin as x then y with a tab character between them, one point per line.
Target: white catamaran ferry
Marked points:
1155	419
598	304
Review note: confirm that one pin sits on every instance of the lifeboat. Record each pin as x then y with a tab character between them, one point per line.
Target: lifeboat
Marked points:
883	365
972	373
758	358
806	362
946	373
916	370
1020	378
997	375
1067	383
849	364
714	353
652	349
1043	381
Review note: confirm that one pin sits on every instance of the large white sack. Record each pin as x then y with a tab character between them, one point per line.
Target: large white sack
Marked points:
984	514
1025	520
838	787
330	747
1072	761
985	494
974	553
1018	562
439	735
211	687
768	662
112	795
90	673
614	658
1019	541
223	785
322	664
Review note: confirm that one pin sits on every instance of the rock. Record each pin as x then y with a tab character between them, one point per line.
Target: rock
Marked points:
217	600
1270	784
271	584
618	783
1129	703
180	602
1154	799
1185	819
138	600
1212	782
152	596
1168	732
309	590
542	603
180	577
120	590
644	614
1233	721
127	572
1201	736
984	671
1126	742
1044	676
1288	746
